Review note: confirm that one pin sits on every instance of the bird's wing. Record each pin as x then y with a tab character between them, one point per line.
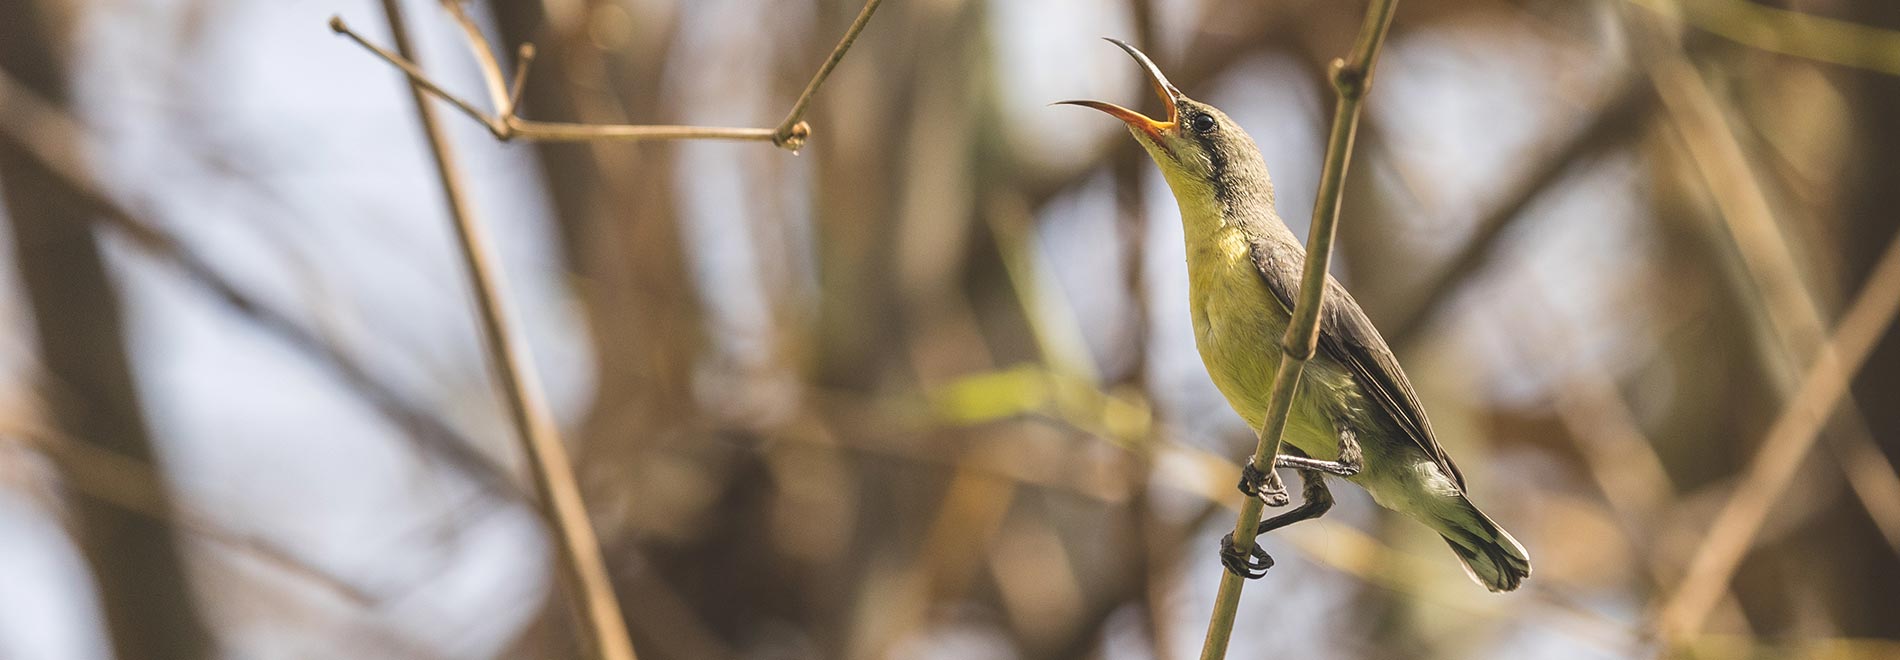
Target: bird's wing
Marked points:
1347	336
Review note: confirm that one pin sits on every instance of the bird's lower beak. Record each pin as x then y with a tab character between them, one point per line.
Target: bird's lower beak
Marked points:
1136	120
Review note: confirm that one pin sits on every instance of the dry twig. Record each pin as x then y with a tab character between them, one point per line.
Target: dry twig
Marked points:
581	567
506	123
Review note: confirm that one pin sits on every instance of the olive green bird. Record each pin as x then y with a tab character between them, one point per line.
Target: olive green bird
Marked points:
1354	415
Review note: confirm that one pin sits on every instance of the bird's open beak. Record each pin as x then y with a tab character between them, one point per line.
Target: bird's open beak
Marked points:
1162	87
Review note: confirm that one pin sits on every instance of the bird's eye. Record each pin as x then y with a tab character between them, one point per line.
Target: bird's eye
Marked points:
1202	123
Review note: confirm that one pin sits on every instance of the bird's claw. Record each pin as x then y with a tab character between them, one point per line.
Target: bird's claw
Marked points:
1251	565
1255	483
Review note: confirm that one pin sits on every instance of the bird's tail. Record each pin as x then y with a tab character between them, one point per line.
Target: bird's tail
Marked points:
1491	557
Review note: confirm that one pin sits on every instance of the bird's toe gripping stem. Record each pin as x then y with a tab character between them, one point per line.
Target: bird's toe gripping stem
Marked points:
1252	564
1264	485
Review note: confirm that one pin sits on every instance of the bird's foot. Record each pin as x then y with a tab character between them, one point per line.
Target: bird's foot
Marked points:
1252	564
1263	485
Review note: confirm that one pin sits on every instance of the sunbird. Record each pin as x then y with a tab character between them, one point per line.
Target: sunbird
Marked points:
1354	414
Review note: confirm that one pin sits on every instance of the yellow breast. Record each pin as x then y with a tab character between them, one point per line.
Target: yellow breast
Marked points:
1238	324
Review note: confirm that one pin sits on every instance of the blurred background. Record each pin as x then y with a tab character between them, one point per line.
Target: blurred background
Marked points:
927	389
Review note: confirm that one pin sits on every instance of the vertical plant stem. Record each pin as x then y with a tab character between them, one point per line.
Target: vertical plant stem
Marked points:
1352	78
581	568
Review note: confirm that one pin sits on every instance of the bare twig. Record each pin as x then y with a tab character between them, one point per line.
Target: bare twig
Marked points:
506	124
582	568
793	130
1352	79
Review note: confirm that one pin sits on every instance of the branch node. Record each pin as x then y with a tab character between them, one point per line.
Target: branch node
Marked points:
1299	348
792	139
1348	81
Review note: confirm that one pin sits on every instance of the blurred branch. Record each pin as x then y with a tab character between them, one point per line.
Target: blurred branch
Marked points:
1794	315
1785	305
1069	388
505	95
1048	313
38	129
582	569
1787	443
1615	119
1352	79
130	484
1780	301
1145	525
1789	32
76	330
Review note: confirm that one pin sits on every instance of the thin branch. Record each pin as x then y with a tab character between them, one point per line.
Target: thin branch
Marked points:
566	132
792	131
496	126
1352	79
507	125
524	60
582	568
484	58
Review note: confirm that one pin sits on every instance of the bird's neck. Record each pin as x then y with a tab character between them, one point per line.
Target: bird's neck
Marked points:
1236	200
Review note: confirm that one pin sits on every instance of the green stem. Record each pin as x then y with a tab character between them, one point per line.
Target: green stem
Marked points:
1352	78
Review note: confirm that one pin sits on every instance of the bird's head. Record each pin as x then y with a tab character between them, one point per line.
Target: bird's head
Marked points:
1196	144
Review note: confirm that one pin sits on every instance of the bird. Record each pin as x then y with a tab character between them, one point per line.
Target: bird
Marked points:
1354	415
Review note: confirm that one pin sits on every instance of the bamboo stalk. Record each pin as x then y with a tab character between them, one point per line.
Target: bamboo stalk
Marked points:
1352	79
582	570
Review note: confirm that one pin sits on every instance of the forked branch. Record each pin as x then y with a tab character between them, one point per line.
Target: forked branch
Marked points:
506	123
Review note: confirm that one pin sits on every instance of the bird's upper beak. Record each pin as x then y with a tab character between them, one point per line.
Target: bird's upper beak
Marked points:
1136	120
